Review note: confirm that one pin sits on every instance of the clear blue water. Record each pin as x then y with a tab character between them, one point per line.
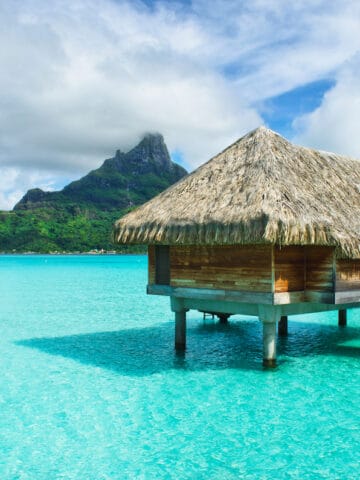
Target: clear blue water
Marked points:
91	389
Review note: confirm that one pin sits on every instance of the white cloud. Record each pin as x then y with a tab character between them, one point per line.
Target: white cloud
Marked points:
80	84
81	78
14	182
280	45
335	125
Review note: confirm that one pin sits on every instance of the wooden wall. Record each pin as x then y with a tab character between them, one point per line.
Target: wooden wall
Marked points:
258	268
347	275
151	265
289	269
300	268
246	268
320	269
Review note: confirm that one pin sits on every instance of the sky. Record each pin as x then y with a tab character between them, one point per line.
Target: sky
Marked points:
82	78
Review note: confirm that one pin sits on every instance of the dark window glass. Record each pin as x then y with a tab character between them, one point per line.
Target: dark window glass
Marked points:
162	265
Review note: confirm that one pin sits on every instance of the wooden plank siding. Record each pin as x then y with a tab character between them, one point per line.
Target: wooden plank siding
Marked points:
293	274
151	265
242	268
304	269
347	275
289	267
320	269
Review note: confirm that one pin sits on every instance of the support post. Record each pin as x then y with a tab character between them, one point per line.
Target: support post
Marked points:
269	344
283	326
180	330
269	316
177	306
223	318
342	319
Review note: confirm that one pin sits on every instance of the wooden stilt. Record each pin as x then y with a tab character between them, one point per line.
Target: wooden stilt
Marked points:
223	317
283	326
180	330
342	318
269	316
269	344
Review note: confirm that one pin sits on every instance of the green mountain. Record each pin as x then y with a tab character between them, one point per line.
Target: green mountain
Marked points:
80	216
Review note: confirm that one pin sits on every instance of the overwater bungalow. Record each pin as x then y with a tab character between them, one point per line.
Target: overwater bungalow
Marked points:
265	228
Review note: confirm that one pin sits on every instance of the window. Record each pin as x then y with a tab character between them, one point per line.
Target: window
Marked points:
162	265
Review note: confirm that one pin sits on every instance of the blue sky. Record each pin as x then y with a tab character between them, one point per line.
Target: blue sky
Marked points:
280	111
82	78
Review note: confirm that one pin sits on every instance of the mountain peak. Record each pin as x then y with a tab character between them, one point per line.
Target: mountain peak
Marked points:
151	149
153	136
125	180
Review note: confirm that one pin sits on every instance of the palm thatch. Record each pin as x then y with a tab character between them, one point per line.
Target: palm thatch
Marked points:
262	189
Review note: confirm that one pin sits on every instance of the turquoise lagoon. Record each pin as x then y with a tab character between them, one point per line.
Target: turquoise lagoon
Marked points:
91	388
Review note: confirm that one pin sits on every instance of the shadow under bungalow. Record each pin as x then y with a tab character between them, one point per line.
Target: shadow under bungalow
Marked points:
265	228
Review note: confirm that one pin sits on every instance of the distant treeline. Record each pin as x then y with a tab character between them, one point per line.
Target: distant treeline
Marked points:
69	229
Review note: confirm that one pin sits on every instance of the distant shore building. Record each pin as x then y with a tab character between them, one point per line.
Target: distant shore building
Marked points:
265	228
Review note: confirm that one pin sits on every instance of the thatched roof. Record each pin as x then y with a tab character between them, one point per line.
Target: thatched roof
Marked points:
261	189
